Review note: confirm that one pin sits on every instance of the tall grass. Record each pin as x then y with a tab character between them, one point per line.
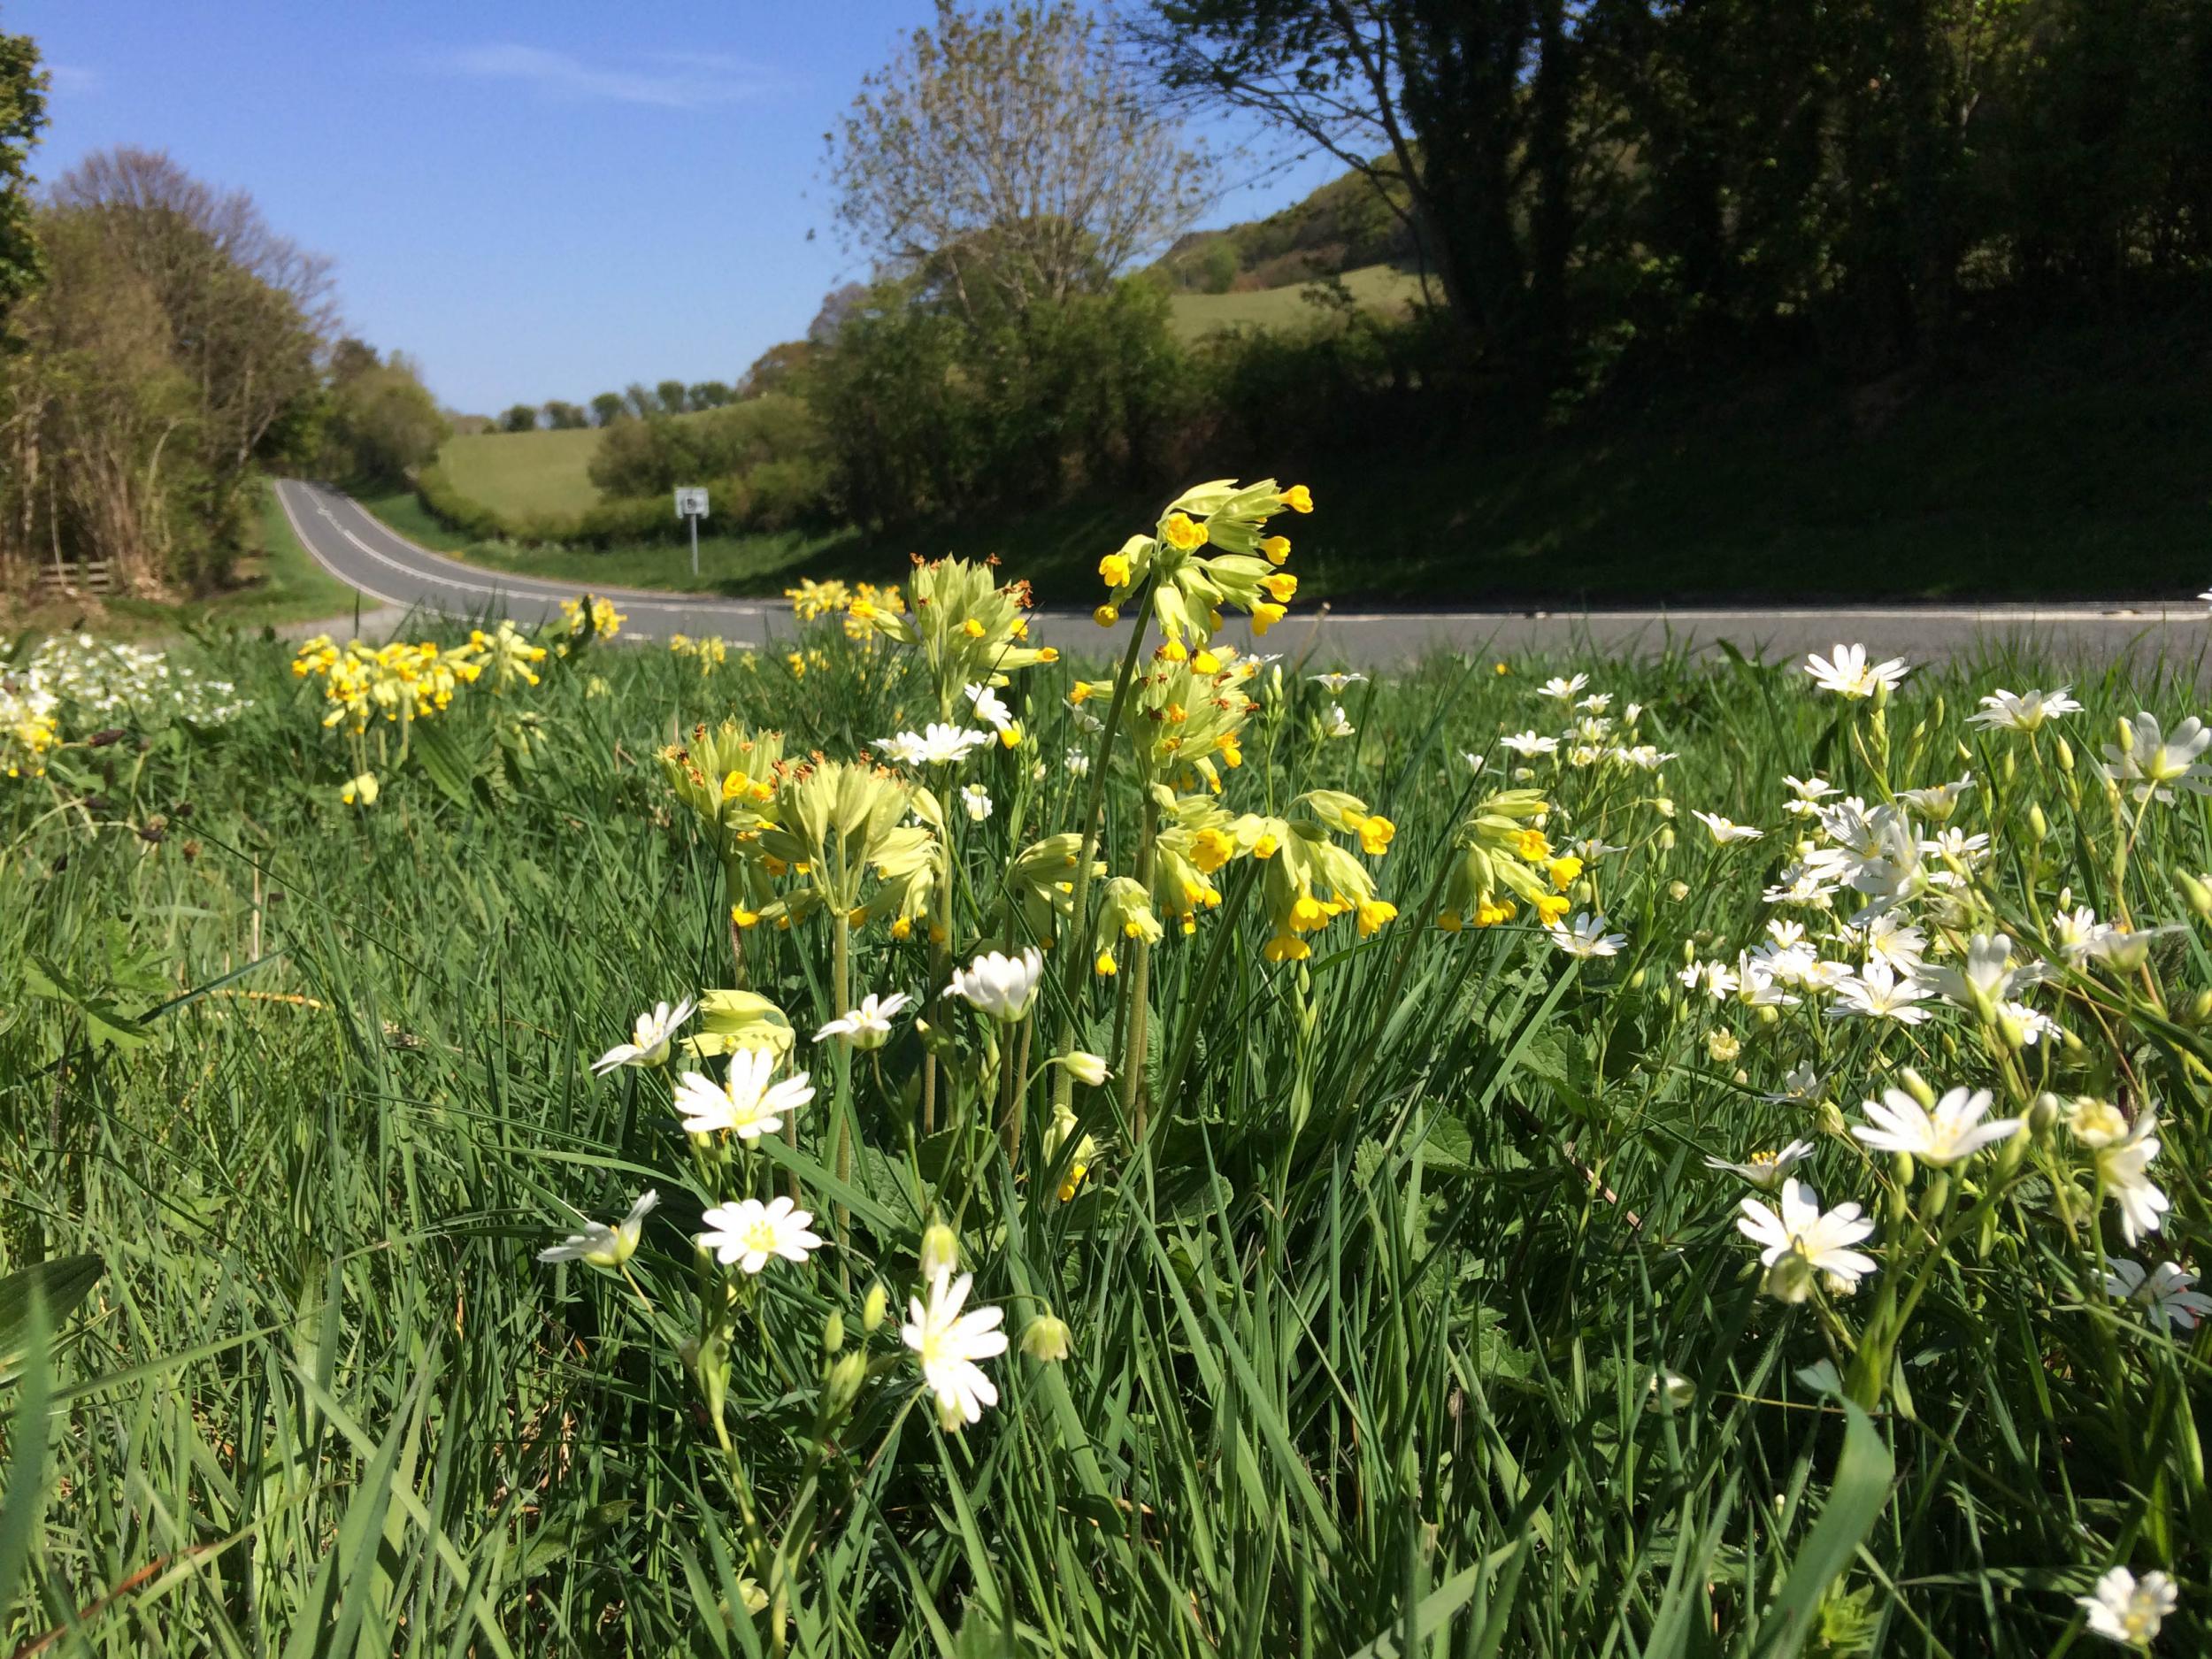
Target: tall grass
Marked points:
1369	1349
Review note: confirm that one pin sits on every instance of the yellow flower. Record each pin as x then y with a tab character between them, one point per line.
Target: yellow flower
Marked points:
1375	835
1500	669
1307	915
973	629
1210	849
1285	948
1277	548
1184	533
1266	616
1532	846
1105	964
1264	848
1562	872
744	917
1550	907
1232	752
1298	498
1206	662
1373	913
1105	616
1488	914
1280	586
1175	651
1114	569
1450	921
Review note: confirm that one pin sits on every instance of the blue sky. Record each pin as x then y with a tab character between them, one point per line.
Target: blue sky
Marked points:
536	198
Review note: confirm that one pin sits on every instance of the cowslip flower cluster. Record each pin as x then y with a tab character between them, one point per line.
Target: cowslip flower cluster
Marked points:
1190	587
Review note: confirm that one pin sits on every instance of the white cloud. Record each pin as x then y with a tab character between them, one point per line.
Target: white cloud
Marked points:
674	81
74	80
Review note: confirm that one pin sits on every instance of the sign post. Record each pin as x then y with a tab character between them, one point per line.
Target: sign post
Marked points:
691	503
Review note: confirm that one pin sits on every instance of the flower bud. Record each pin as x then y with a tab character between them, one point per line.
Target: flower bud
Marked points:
874	1306
2043	1115
1677	891
1085	1068
2196	892
2038	825
1670	1391
1666	840
845	1379
2064	751
1791	1278
2127	738
1045	1337
1917	1086
941	1250
834	1331
1832	1121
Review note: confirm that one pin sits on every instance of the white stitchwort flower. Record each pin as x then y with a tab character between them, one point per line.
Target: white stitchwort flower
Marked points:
1952	1133
939	745
1807	794
2154	762
747	1105
749	1233
2165	1291
948	1343
1586	938
1002	986
1812	1240
648	1039
1724	831
1800	1085
1335	682
2097	1123
1337	725
600	1245
1563	690
977	800
2128	1610
2124	1168
1530	744
869	1026
1878	993
1939	801
991	709
2023	711
1717	980
1848	674
1078	763
1766	1170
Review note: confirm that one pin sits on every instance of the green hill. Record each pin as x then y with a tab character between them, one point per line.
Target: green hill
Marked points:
524	473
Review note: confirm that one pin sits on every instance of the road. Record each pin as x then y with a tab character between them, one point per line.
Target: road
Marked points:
359	549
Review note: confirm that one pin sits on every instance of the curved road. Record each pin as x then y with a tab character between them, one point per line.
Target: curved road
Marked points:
356	547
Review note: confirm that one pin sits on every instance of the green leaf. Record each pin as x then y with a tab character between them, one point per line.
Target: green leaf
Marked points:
1863	1473
62	1284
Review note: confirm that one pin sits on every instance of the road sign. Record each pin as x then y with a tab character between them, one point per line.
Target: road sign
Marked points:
691	506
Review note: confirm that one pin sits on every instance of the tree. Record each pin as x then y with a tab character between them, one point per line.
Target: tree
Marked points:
520	418
187	343
564	417
776	369
674	396
837	306
1457	111
1013	152
22	115
382	423
709	394
640	400
608	408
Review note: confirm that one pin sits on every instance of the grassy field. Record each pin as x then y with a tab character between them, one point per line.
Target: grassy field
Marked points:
524	472
1378	287
1383	1299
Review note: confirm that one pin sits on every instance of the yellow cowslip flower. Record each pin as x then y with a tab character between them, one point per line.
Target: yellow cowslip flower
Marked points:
1564	872
1549	907
812	599
1490	854
1104	966
1489	914
1373	913
1450	921
1264	847
1500	669
1532	845
1375	832
1277	548
1265	617
1114	569
972	628
1285	947
1182	532
1106	616
1279	586
1298	498
589	616
1174	651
